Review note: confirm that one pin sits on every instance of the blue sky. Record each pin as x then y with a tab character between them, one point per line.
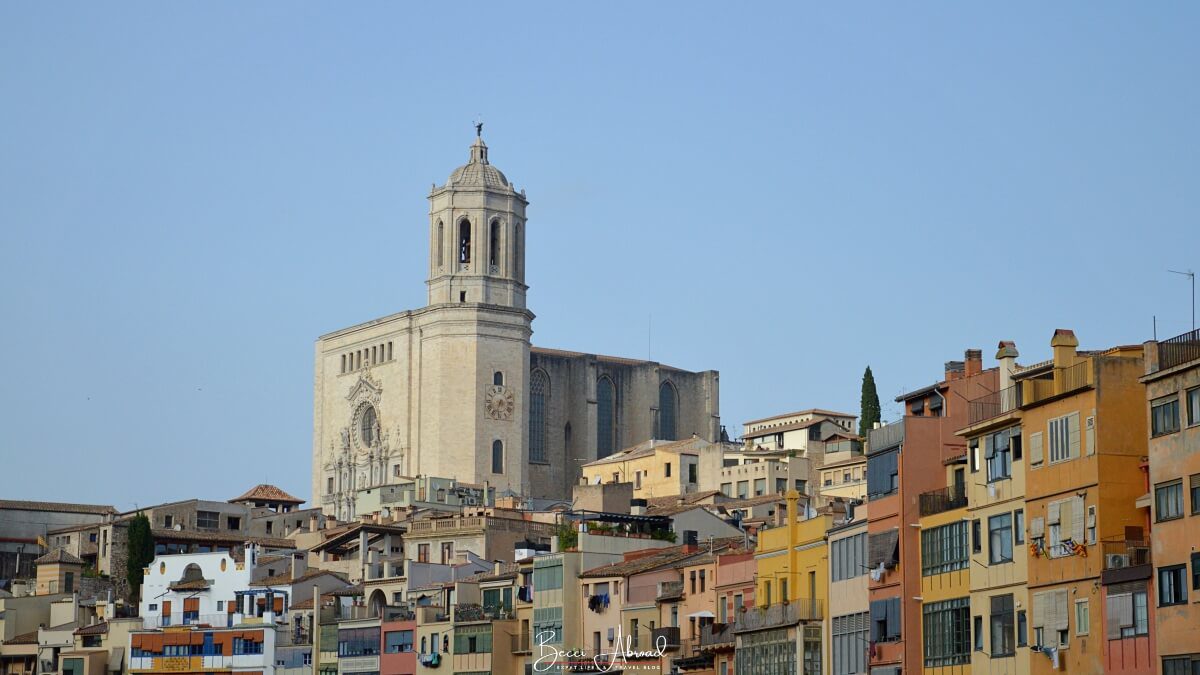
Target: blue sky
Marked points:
191	193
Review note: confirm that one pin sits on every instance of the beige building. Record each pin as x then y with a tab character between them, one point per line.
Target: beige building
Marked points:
793	431
657	468
455	389
844	470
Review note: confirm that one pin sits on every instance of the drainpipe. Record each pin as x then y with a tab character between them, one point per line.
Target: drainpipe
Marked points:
793	524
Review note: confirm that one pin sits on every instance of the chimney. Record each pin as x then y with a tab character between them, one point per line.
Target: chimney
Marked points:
299	564
780	515
1064	344
954	370
974	362
690	541
1007	355
312	522
637	507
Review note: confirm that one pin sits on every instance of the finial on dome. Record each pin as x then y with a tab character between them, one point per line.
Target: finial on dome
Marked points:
478	128
479	148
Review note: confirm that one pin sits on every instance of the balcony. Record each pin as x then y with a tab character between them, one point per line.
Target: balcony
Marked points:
780	615
1125	560
471	613
886	437
716	636
522	643
691	658
433	614
994	404
1063	381
943	500
1179	350
666	635
669	590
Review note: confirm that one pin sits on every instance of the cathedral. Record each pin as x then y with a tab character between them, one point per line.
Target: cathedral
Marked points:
455	389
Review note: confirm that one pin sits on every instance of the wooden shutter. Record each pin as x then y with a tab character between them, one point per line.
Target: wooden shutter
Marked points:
1061	610
1035	448
1073	435
1119	615
1053	513
1089	433
1037	527
166	608
1040	600
1078	510
1066	522
191	604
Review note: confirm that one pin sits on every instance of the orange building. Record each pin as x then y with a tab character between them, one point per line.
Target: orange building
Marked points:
200	649
1084	431
904	460
1173	407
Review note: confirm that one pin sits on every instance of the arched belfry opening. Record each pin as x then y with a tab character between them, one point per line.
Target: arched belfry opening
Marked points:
464	241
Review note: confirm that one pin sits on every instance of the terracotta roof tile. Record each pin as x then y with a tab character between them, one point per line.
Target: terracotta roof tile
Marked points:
30	638
58	555
267	493
94	629
19	505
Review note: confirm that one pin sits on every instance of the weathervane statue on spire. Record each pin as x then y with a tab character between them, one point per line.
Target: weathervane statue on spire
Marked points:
479	127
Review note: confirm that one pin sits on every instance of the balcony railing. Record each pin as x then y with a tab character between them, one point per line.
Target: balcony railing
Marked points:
1179	349
670	590
1063	381
779	615
886	437
994	404
1123	554
669	633
433	614
188	619
522	643
945	499
716	635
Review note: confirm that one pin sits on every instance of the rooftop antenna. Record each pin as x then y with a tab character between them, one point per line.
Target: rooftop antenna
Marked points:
1190	275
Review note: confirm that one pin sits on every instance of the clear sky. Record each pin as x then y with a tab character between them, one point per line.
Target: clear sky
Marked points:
191	193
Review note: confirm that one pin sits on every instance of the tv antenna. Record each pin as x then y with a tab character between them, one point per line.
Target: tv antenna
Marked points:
1190	275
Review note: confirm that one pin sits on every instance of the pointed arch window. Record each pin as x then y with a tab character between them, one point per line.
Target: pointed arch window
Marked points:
494	246
539	392
668	408
606	418
497	456
464	241
441	244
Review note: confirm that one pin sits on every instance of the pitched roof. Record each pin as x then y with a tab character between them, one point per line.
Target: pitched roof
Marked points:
264	492
94	629
61	507
234	537
753	501
30	638
58	555
810	411
649	448
672	500
666	557
193	585
286	578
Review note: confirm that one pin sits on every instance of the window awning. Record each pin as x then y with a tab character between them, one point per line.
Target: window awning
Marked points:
702	614
884	548
1142	502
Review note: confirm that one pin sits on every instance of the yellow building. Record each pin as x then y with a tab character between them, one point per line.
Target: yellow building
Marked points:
793	565
657	468
999	568
945	599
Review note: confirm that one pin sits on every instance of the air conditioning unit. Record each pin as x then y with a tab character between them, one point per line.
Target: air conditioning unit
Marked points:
1116	561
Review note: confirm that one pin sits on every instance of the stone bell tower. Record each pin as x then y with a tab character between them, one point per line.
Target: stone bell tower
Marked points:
477	236
474	335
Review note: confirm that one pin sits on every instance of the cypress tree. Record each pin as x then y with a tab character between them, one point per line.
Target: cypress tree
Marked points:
870	404
139	552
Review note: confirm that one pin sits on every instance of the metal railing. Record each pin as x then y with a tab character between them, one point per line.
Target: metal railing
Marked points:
716	635
780	614
994	404
1063	381
522	643
1122	554
886	437
179	619
671	635
1179	349
945	499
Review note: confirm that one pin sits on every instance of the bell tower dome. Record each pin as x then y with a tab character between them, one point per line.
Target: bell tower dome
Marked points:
477	235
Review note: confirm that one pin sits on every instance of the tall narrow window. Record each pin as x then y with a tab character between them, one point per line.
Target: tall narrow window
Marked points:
539	390
497	456
464	241
494	246
498	378
516	270
667	400
441	244
606	396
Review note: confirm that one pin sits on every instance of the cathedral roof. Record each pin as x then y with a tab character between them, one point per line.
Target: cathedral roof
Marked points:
478	172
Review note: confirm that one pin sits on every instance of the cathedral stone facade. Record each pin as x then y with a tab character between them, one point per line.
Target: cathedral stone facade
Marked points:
455	390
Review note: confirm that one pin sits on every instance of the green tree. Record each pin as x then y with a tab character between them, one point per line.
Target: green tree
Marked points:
870	404
140	552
